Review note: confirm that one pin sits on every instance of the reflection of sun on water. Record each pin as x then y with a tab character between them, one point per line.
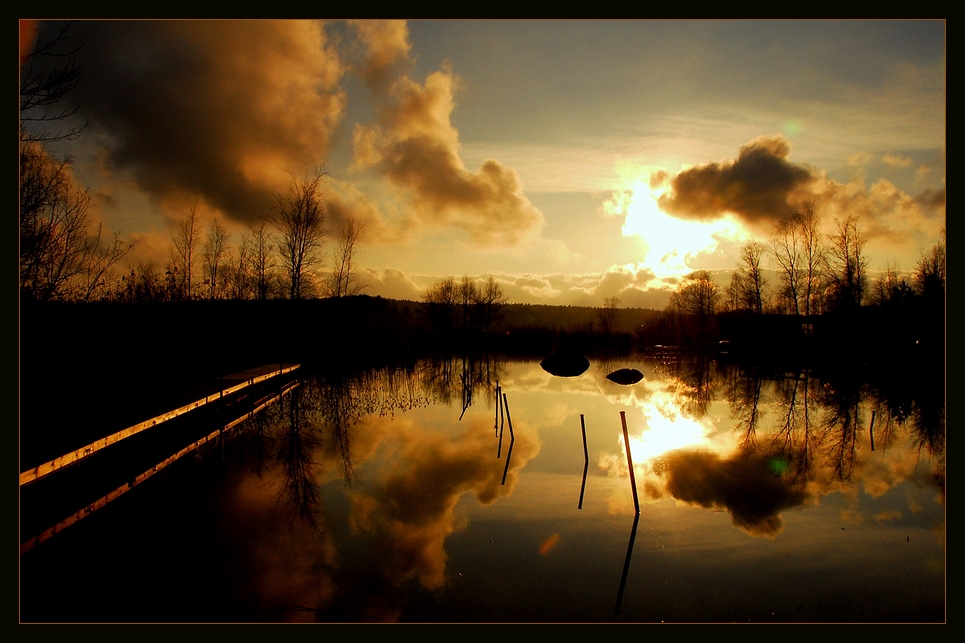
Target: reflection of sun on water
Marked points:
667	429
666	433
671	243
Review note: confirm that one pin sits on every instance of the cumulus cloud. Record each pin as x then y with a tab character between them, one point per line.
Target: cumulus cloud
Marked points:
861	158
411	509
744	485
391	283
761	186
345	202
387	49
896	160
217	110
415	146
888	217
758	186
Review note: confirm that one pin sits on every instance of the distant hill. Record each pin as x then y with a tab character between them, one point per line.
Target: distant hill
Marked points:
560	318
574	318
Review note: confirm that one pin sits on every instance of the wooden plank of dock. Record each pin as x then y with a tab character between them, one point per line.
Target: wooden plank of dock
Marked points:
103	501
245	379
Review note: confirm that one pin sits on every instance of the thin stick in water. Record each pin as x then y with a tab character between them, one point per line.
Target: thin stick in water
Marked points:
626	442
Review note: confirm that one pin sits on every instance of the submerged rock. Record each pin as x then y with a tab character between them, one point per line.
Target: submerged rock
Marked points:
565	363
625	376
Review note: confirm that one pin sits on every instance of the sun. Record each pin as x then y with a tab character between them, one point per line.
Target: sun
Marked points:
672	244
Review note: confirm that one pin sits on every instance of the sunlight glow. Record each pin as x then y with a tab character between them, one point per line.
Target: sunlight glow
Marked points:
672	243
666	431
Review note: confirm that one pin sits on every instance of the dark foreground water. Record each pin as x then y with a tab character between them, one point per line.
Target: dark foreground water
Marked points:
412	496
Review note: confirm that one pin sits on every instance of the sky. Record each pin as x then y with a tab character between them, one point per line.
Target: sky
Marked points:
573	160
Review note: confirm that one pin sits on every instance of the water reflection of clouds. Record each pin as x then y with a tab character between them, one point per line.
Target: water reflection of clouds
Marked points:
286	568
744	485
414	473
409	506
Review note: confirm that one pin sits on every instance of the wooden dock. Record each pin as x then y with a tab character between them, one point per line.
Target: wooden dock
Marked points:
229	385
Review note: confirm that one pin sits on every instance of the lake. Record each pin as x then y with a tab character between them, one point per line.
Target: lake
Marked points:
415	495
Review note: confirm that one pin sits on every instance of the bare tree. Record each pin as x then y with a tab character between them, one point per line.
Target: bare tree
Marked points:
697	295
799	253
263	261
299	217
48	74
752	276
99	261
608	314
468	296
53	224
891	288
929	278
846	265
184	252
213	255
238	274
786	249
492	298
441	300
59	257
813	252
343	281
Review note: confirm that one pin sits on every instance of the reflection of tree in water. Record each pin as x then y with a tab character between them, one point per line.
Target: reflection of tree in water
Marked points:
297	443
790	426
343	401
256	440
840	427
818	423
442	382
792	443
795	439
694	379
743	392
918	404
437	379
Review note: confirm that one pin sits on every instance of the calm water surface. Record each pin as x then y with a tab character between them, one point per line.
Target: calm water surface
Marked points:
410	495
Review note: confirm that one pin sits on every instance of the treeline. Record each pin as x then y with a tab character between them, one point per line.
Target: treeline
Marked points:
823	301
816	274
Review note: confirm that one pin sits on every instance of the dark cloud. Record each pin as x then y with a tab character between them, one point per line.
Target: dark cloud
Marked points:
745	485
387	50
931	199
757	186
216	110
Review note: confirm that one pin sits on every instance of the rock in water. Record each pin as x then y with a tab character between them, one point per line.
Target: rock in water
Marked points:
625	376
565	363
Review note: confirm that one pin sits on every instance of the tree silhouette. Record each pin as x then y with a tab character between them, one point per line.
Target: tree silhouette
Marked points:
608	314
299	217
697	295
184	252
48	74
751	277
214	254
59	257
846	265
343	281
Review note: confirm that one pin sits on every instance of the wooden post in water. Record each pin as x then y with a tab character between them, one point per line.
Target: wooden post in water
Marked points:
512	436
496	419
586	461
502	403
626	442
871	429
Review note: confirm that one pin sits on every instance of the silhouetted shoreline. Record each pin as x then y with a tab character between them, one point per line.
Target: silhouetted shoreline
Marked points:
111	362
